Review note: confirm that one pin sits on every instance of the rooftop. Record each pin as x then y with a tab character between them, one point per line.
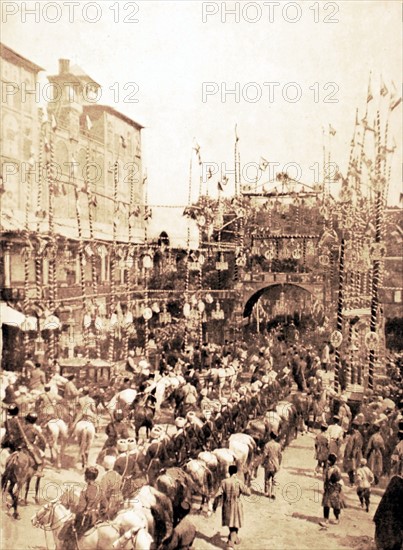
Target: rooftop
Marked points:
13	57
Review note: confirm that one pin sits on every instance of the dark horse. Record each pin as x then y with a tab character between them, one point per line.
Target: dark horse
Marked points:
20	469
142	414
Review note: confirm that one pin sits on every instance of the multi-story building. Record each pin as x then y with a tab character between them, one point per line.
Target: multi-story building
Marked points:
73	212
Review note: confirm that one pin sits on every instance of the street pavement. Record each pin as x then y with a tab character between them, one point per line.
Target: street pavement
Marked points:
291	521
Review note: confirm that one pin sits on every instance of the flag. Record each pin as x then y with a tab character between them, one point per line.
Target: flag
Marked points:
123	142
53	123
369	93
357	122
88	122
209	174
197	149
263	164
236	134
222	183
332	131
383	91
395	103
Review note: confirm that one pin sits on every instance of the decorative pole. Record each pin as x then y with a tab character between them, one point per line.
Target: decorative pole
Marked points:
53	256
376	272
27	256
188	245
81	260
92	204
340	302
111	352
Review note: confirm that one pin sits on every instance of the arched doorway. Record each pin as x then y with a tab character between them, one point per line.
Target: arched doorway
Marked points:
284	305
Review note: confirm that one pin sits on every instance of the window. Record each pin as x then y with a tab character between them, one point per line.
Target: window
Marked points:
397	296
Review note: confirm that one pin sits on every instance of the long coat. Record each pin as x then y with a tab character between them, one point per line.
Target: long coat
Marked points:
232	511
375	450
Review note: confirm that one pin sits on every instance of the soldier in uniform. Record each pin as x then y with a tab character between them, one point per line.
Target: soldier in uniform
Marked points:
12	439
70	395
87	511
110	487
86	409
46	405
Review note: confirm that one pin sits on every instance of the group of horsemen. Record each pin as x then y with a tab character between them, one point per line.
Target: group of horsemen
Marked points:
206	424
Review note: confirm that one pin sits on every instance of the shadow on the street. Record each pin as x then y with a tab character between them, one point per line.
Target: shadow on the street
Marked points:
216	540
302	472
311	519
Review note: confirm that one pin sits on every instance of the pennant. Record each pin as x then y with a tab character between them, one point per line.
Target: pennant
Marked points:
383	91
209	174
123	142
357	122
53	123
197	150
92	200
370	96
395	103
332	131
88	122
236	134
263	164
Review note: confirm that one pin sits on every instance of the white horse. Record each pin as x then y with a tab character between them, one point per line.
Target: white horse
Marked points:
59	433
243	446
53	516
85	433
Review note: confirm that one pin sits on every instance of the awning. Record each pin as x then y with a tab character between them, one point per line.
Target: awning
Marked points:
10	316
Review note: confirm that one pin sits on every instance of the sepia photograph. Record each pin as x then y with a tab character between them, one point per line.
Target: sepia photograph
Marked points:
201	270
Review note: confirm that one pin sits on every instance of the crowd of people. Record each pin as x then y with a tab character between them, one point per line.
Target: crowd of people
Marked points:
213	391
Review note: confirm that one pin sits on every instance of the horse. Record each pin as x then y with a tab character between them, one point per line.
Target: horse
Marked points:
20	469
140	539
142	416
177	485
244	447
58	435
85	433
54	515
157	508
203	483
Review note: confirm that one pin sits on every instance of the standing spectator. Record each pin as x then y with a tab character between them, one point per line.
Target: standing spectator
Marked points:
397	456
353	452
365	478
332	497
321	448
335	433
232	511
272	457
375	451
325	357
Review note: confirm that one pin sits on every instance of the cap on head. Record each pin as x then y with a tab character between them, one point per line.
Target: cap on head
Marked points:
232	469
122	445
363	462
180	422
13	409
31	417
109	462
91	473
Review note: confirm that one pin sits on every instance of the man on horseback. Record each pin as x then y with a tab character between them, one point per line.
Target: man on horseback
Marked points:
87	511
46	405
12	439
115	430
86	409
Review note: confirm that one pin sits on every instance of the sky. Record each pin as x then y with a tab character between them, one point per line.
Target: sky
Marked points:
320	54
